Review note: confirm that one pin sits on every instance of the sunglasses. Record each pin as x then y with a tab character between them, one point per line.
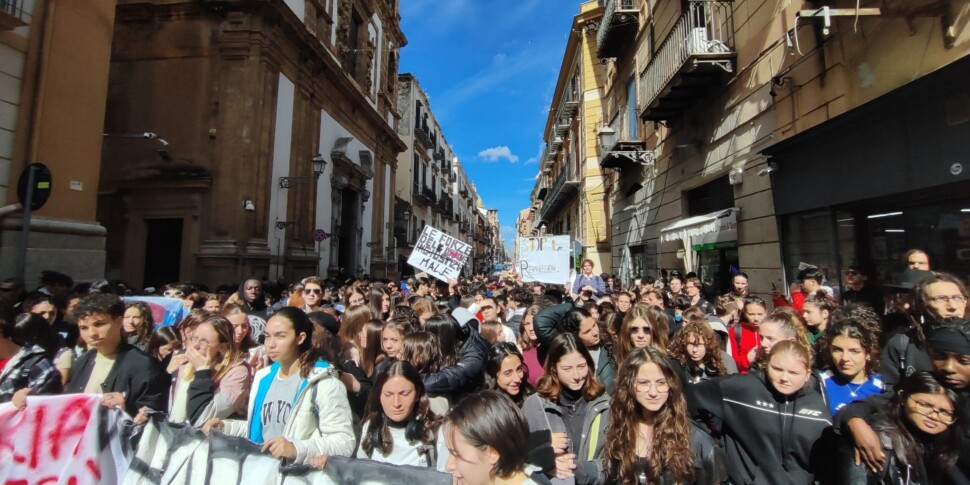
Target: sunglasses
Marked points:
851	272
315	291
173	294
636	330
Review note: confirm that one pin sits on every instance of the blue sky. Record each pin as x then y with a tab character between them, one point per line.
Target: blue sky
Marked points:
489	68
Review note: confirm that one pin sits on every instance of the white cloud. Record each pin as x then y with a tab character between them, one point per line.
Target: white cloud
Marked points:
495	154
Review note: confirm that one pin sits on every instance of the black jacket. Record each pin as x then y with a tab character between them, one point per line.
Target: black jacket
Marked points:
902	357
769	438
465	376
547	326
844	471
134	373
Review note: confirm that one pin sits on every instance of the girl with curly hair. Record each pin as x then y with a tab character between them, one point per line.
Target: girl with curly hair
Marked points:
696	349
138	324
816	312
849	356
651	437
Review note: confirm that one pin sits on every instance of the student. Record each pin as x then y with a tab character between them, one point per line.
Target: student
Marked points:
771	421
920	432
529	343
399	427
30	370
138	324
650	438
816	310
298	407
599	343
809	281
695	348
744	338
780	325
572	405
849	356
486	435
423	351
506	372
127	377
636	332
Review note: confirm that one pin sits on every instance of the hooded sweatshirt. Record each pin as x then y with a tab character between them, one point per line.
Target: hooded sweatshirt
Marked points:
770	438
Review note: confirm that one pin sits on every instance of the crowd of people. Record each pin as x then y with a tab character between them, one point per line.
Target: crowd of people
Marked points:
496	380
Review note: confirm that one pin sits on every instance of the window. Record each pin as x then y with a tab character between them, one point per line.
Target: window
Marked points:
354	44
713	196
631	109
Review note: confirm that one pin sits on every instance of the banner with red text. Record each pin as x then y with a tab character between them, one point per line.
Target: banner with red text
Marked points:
62	440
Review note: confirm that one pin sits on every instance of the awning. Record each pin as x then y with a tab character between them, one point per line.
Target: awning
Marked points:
708	229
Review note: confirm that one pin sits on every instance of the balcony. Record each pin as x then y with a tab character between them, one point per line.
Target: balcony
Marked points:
699	49
618	28
620	148
422	133
423	195
446	206
563	191
14	13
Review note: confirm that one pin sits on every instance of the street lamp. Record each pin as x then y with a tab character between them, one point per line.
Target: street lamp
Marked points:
407	216
319	163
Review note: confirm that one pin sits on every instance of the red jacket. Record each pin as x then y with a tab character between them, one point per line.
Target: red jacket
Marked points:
749	339
796	301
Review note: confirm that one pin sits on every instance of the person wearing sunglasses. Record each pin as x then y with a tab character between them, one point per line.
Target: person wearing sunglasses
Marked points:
312	295
860	291
920	431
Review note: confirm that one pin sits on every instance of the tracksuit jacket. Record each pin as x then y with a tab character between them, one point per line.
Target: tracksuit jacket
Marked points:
769	438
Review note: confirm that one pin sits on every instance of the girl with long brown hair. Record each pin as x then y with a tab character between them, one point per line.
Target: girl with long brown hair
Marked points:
422	350
650	438
572	405
641	327
529	343
352	321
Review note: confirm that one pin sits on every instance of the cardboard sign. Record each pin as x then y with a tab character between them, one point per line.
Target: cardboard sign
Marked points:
69	439
544	259
439	254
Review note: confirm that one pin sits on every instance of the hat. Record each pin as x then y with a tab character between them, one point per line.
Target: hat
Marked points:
952	336
325	320
906	280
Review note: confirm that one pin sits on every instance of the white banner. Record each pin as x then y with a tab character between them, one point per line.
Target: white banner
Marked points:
544	259
439	254
62	440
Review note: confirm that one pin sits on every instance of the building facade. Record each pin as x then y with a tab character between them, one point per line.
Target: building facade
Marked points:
279	119
570	196
54	59
759	135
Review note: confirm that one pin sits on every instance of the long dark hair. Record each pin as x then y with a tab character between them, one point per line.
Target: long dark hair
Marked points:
493	364
853	321
30	329
549	386
422	424
445	328
912	447
671	450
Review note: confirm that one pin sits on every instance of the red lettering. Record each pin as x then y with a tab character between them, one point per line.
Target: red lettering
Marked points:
94	469
70	426
19	481
35	446
44	480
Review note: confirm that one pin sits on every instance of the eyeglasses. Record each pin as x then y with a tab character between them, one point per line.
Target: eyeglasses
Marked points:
314	291
660	386
851	272
636	330
356	302
958	299
173	294
924	408
196	340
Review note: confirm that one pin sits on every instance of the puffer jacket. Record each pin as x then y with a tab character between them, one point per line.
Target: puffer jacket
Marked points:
543	414
769	438
320	422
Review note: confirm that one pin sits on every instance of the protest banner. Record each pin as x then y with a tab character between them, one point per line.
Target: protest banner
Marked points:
544	259
176	454
439	254
165	311
69	439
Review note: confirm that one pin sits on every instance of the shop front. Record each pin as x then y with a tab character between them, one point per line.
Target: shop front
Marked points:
884	178
708	246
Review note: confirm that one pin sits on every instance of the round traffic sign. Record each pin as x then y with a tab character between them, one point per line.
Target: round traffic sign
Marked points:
42	182
320	235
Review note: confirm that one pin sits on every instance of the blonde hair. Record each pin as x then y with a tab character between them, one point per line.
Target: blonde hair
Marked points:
229	357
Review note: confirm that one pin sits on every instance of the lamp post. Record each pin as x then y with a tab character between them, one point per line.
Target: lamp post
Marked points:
319	164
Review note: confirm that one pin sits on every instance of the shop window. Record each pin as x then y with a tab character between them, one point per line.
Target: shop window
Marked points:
810	239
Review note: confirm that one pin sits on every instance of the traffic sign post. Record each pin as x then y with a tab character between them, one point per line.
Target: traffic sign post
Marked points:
320	235
33	190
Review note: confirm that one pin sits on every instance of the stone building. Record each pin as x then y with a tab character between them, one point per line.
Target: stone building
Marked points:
767	133
570	189
280	121
54	60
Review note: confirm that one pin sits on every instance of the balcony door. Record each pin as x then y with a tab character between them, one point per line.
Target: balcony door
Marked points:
631	110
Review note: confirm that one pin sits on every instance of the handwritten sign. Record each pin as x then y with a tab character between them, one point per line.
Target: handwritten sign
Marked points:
439	254
544	259
69	439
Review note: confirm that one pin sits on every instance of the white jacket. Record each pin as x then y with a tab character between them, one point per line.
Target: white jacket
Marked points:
320	426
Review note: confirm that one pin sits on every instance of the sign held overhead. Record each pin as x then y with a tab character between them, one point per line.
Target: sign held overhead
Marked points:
439	254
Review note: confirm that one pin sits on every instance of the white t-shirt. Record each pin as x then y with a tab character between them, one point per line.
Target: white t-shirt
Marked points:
402	452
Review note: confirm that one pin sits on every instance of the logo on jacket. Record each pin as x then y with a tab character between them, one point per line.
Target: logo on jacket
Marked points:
810	412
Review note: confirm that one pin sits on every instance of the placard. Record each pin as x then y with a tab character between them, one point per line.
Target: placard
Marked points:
544	259
439	254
